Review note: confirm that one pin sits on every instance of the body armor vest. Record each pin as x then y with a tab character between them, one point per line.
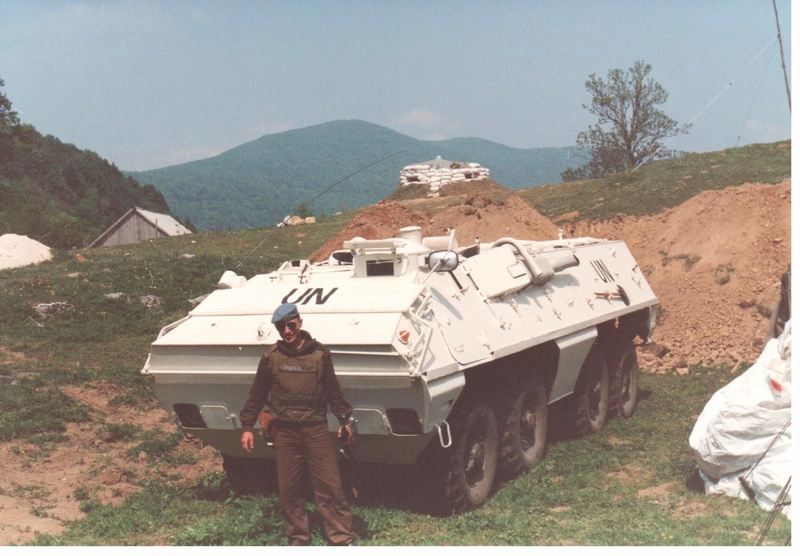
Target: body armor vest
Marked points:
298	393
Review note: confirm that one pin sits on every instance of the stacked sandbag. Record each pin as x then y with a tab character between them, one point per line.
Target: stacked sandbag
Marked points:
438	173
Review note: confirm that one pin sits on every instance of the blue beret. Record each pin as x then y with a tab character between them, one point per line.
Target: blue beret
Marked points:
286	311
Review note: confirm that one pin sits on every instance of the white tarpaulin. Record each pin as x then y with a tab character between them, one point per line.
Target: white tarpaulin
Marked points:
744	430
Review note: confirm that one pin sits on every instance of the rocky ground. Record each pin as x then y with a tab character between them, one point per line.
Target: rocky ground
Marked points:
715	262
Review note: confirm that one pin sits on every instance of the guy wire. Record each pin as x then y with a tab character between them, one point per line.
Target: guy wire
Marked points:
320	195
713	101
755	96
353	174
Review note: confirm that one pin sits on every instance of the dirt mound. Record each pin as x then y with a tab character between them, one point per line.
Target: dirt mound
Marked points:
471	187
421	191
480	217
476	216
381	221
715	263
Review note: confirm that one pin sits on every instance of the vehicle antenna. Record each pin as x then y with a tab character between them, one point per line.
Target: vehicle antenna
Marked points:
320	195
354	173
783	61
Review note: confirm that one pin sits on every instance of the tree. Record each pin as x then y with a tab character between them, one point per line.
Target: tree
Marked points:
8	118
303	211
630	128
9	123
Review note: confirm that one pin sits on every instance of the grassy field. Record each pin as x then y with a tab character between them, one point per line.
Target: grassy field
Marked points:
654	187
632	484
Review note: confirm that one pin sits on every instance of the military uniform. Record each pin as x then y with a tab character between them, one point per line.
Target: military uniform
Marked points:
298	386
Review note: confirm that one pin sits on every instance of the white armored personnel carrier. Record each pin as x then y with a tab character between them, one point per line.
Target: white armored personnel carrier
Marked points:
449	355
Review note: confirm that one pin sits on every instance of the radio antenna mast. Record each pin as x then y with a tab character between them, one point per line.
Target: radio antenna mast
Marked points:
783	61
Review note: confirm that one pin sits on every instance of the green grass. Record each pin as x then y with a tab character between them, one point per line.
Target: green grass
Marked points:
654	187
107	339
630	485
38	413
154	446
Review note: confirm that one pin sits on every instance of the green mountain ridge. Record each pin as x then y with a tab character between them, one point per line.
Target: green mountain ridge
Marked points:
258	183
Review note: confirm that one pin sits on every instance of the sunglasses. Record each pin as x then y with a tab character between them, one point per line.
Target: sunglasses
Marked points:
292	325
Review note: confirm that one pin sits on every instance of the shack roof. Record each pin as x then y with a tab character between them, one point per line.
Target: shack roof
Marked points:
164	223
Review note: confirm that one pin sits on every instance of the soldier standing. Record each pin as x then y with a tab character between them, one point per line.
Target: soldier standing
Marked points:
295	378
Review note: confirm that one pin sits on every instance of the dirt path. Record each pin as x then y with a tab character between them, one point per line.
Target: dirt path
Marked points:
41	489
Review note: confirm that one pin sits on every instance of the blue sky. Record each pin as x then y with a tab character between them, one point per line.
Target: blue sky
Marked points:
148	84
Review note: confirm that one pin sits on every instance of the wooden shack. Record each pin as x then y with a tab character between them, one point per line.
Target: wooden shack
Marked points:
139	225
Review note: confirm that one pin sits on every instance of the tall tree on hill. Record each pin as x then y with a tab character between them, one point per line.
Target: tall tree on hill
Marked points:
8	117
8	123
630	127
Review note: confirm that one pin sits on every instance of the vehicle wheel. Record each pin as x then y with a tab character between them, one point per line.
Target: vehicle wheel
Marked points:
250	475
471	460
525	435
628	385
591	394
781	312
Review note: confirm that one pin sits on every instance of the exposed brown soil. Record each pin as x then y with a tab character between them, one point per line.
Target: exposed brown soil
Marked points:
38	488
472	216
714	262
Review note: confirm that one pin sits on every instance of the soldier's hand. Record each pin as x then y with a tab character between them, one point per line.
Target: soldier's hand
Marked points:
247	441
264	419
346	434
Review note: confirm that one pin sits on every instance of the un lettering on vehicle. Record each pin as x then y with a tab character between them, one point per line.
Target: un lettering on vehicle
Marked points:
317	294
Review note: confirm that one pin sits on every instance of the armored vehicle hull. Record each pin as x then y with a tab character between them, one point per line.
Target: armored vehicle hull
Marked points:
448	355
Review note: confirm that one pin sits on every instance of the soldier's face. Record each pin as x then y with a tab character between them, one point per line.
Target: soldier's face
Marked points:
290	330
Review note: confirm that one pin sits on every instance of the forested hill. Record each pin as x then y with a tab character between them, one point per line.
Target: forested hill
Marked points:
260	182
60	195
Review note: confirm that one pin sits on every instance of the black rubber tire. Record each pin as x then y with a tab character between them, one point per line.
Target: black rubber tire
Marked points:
627	374
782	311
250	475
591	394
525	436
471	462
